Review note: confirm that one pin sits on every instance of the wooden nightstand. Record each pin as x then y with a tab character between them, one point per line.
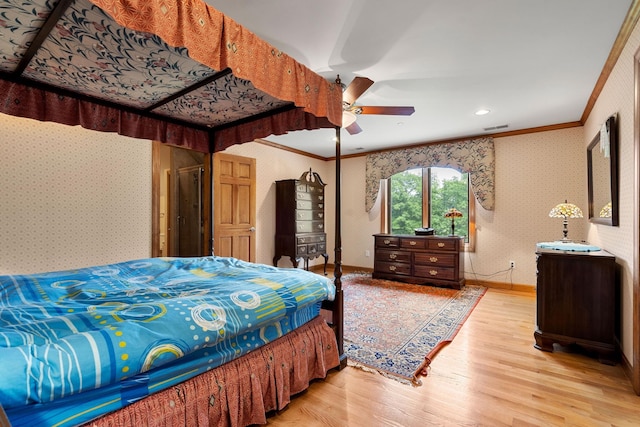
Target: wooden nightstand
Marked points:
577	301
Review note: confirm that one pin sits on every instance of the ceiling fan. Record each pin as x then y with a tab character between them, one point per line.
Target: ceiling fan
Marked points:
350	110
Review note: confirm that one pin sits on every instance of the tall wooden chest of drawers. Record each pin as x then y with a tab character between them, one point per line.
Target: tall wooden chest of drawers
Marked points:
437	260
300	232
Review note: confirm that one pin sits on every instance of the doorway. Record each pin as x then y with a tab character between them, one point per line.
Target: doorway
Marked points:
181	201
187	230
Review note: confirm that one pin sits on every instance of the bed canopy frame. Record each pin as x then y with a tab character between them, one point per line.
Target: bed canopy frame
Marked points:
175	71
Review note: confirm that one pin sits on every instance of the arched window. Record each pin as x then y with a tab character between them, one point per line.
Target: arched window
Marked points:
419	198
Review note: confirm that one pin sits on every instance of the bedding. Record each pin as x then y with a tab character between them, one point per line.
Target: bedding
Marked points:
79	343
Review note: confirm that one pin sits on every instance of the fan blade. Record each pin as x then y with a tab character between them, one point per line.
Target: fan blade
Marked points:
356	88
395	111
353	128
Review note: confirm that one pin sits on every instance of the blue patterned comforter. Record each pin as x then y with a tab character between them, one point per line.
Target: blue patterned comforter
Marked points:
78	331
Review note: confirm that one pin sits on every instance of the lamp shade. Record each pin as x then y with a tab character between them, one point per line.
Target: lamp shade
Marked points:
453	213
566	210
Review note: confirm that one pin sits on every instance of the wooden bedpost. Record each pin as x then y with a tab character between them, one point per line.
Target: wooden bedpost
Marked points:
338	309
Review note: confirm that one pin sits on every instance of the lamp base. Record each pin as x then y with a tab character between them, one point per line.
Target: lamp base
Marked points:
565	231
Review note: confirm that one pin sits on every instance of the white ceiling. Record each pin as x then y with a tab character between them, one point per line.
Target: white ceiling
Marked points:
531	62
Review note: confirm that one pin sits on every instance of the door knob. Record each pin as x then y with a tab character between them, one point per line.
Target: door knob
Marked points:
252	229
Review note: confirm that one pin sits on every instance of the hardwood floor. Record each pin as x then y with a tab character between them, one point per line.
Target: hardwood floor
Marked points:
490	375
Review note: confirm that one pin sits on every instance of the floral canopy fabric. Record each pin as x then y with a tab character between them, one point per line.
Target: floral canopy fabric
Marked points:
177	71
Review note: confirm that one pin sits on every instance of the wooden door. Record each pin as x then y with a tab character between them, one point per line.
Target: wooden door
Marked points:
234	206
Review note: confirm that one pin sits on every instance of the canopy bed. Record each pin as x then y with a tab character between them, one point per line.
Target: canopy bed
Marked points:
181	73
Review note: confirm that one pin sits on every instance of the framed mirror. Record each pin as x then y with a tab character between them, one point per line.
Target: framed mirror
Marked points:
602	170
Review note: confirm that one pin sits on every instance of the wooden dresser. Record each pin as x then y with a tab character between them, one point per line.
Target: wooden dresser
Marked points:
436	260
300	232
577	301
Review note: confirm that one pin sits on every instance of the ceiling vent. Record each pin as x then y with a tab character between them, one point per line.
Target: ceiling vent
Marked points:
496	127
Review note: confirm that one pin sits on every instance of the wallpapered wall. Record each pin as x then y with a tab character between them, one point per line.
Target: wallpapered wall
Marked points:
70	197
77	186
533	173
618	97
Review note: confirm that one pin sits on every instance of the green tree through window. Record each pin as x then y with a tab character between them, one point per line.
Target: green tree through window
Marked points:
413	206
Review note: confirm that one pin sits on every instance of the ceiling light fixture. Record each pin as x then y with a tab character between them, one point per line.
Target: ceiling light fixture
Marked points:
482	112
348	118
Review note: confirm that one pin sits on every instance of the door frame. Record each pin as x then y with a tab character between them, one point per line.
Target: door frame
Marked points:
635	369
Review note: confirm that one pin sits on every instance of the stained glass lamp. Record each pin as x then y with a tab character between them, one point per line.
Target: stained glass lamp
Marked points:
565	211
453	213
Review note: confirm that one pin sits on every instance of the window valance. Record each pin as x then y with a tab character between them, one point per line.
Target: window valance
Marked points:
475	157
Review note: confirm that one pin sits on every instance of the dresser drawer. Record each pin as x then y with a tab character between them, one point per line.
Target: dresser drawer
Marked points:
413	243
311	249
436	259
315	197
309	226
315	190
387	242
442	244
392	256
434	272
305	215
311	238
393	268
303	196
310	204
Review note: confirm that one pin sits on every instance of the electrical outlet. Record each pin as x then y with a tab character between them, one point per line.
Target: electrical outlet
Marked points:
512	264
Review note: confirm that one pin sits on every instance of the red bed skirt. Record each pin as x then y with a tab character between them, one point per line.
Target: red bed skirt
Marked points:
241	392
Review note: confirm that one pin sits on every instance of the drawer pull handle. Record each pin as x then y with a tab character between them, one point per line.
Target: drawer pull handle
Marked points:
386	241
393	256
433	259
433	272
412	242
440	245
392	268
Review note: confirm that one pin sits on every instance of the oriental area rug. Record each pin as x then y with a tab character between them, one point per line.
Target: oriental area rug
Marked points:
396	328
